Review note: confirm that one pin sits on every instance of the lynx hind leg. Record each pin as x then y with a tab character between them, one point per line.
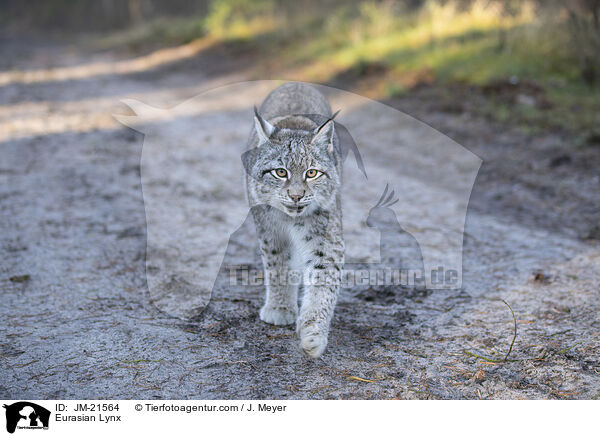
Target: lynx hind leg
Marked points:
281	302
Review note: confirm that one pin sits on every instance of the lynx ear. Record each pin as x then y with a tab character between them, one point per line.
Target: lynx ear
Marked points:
264	129
324	135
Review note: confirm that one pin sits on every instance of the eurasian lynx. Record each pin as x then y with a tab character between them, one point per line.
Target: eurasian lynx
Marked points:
293	181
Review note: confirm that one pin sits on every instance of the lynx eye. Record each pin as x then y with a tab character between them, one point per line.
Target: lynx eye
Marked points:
312	174
280	173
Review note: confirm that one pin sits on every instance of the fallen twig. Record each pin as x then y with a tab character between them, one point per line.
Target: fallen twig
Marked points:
515	335
569	349
362	379
488	359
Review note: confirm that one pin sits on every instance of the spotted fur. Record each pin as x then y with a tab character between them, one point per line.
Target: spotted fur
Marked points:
298	221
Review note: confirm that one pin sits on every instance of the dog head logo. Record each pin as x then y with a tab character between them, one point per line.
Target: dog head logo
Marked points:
26	415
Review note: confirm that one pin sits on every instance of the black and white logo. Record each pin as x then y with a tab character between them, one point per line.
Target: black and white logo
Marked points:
26	415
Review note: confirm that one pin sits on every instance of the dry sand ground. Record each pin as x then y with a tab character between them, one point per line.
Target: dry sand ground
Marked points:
76	316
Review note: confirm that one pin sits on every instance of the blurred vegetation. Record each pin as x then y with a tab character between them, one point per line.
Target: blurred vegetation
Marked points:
535	63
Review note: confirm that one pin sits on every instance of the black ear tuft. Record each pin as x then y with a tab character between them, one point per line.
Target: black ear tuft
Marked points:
324	135
331	118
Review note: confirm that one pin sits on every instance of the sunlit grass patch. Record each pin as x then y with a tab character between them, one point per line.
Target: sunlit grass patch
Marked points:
240	19
472	43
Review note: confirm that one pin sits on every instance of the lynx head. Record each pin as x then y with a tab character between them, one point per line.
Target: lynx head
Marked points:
293	170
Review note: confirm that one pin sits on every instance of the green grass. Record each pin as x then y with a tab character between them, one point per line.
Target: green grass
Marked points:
160	32
475	46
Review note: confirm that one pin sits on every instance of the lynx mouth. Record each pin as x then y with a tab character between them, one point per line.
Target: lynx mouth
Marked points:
295	209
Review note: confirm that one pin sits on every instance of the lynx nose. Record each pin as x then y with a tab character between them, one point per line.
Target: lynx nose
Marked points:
296	196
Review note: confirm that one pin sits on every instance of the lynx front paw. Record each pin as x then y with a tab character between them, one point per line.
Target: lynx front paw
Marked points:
312	341
277	316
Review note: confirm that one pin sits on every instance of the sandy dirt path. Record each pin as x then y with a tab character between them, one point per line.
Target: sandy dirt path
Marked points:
76	315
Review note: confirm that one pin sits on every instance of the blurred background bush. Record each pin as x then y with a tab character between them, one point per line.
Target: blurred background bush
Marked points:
534	61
